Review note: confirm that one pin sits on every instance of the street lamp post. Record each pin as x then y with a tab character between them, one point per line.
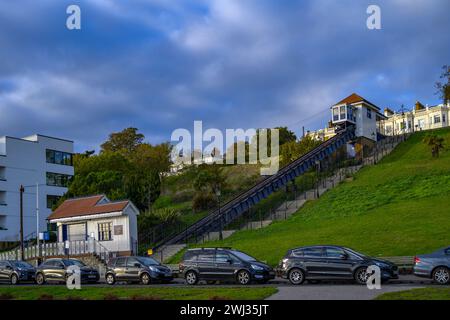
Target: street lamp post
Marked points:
22	254
220	218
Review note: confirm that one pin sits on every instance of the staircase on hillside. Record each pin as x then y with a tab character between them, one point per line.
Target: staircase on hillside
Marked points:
217	219
289	207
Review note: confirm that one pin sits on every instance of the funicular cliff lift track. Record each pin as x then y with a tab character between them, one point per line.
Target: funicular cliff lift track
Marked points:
234	208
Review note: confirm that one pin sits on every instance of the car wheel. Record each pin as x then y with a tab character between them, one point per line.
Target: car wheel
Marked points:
296	276
243	277
14	279
40	279
110	279
145	278
361	276
441	275
191	278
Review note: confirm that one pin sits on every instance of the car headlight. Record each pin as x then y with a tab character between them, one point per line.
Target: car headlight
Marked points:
154	269
257	268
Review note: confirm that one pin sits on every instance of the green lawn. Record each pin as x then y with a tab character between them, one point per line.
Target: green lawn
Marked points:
138	293
418	294
398	207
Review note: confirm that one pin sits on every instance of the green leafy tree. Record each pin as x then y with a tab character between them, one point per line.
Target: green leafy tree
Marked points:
293	150
435	143
125	141
443	86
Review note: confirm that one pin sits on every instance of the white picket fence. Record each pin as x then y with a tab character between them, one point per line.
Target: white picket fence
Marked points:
58	249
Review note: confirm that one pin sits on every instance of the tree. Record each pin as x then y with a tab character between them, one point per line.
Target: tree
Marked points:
435	143
293	150
208	182
125	168
443	87
125	141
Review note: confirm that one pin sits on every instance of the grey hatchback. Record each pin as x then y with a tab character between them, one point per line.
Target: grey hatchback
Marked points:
137	269
13	272
434	266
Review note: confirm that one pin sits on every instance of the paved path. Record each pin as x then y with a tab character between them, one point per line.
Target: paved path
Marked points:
335	292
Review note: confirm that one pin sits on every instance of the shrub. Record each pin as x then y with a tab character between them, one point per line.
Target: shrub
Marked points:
166	215
203	201
162	202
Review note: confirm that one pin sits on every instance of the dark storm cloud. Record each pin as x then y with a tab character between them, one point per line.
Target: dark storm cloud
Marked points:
160	65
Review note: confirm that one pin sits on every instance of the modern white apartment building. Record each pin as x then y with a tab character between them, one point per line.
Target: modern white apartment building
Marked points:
420	118
30	161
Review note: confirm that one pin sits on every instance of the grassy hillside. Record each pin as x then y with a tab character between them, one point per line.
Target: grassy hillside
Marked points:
400	206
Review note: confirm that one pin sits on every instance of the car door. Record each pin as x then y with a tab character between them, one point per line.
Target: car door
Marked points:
339	263
225	265
132	269
59	270
120	268
52	270
206	264
315	261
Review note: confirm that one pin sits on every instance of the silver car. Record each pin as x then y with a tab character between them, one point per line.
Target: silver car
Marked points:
434	266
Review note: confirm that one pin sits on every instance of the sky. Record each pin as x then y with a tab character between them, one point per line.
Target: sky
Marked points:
159	65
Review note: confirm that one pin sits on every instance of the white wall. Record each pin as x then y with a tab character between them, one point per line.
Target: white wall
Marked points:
365	127
26	164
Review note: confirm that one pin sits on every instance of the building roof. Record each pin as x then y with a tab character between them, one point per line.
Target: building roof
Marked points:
355	98
87	206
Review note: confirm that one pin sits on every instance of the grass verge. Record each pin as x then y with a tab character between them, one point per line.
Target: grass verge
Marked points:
126	293
418	294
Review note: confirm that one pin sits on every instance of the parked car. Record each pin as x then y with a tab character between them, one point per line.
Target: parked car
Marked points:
331	263
223	264
56	270
137	269
434	266
13	272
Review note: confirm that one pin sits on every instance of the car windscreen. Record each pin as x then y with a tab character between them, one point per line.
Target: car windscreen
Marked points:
77	263
355	253
21	264
243	256
147	261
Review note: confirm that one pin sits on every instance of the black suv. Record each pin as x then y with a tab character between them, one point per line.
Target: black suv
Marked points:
223	264
331	263
137	269
56	270
13	272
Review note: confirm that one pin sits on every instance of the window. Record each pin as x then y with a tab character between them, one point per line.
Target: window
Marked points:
334	252
121	262
59	157
313	252
207	255
443	118
297	253
131	262
222	257
58	179
190	256
104	231
343	117
52	201
437	119
421	123
336	114
369	113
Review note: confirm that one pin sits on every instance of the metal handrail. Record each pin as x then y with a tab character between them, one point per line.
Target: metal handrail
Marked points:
257	187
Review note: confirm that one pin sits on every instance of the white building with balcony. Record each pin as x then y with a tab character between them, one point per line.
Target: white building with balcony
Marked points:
31	161
420	118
